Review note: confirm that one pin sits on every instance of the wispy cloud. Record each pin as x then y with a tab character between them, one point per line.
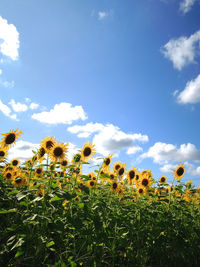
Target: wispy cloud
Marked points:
186	5
182	51
62	113
7	84
7	111
102	15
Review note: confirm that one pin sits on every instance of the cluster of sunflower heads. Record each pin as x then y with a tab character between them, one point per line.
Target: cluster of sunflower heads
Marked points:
120	181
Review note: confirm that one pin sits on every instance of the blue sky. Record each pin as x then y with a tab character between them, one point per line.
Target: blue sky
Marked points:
121	74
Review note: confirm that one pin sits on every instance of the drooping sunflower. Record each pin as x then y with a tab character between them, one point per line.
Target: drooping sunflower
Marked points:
107	161
179	172
87	151
15	162
163	179
58	151
48	143
10	138
3	153
117	165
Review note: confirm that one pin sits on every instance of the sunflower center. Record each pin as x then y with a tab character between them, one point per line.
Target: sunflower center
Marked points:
107	161
121	171
92	183
42	152
8	175
162	179
136	177
140	191
87	151
131	174
180	171
38	171
58	151
18	180
10	139
112	176
114	185
117	167
2	153
64	163
49	144
15	162
145	182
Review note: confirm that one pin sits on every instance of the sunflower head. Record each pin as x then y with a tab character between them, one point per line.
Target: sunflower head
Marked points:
145	182
114	186
48	142
131	175
15	162
8	175
38	171
3	153
141	190
179	172
63	163
163	179
58	151
117	165
91	183
107	161
76	158
10	138
41	154
87	151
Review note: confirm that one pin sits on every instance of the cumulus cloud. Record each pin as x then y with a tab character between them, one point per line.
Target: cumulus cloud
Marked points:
62	113
10	39
186	5
33	106
133	150
163	153
108	138
17	106
7	111
191	93
182	51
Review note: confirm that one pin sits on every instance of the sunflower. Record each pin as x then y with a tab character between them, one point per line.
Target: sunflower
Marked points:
179	172
87	151
92	176
91	183
19	180
163	180
112	175
3	153
131	175
145	182
76	158
107	161
10	138
121	170
41	154
58	151
141	190
117	165
63	163
114	186
48	142
34	159
38	172
8	175
137	178
15	162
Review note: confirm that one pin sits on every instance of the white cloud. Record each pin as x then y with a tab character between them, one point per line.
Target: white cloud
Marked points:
182	51
186	5
102	15
168	168
7	84
27	99
61	113
7	111
133	150
163	153
17	106
10	36
108	138
33	105
0	71
22	150
191	93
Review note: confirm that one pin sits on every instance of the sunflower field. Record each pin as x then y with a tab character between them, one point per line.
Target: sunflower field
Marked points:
53	214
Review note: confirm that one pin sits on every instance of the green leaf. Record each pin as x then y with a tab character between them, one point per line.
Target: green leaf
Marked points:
50	244
19	253
81	205
56	198
3	211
